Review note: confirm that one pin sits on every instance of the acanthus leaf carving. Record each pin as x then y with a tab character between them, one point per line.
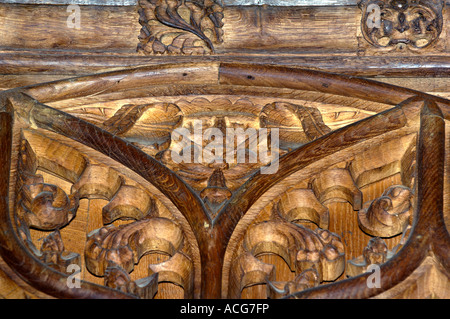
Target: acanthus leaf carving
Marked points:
176	26
144	288
304	250
389	214
126	244
298	124
41	205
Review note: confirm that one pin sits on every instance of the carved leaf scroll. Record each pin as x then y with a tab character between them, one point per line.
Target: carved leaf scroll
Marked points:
389	214
112	252
126	244
41	205
297	124
315	256
180	26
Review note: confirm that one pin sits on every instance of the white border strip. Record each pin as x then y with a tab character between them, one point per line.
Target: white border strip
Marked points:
225	2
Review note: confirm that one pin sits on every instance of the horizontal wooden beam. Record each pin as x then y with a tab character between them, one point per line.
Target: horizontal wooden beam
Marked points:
323	38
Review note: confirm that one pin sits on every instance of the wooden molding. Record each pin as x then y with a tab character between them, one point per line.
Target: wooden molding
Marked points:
321	35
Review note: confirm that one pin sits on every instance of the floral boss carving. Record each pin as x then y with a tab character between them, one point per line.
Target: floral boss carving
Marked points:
398	24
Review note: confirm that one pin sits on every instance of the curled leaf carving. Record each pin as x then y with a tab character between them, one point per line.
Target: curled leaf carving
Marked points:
47	207
337	185
200	18
129	203
304	250
126	244
298	124
389	214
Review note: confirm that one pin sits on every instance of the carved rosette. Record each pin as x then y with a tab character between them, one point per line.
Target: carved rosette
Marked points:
391	24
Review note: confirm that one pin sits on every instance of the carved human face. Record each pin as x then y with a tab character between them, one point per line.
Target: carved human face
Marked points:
401	23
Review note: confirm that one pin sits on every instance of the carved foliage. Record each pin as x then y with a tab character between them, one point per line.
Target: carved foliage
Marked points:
41	205
400	23
389	214
126	244
117	278
45	207
297	124
337	185
111	252
375	253
147	126
180	27
315	256
384	160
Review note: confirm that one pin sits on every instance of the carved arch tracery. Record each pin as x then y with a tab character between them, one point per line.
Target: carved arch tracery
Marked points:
322	163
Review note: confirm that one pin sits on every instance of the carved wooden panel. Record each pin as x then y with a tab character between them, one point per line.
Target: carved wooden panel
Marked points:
224	180
402	24
209	149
